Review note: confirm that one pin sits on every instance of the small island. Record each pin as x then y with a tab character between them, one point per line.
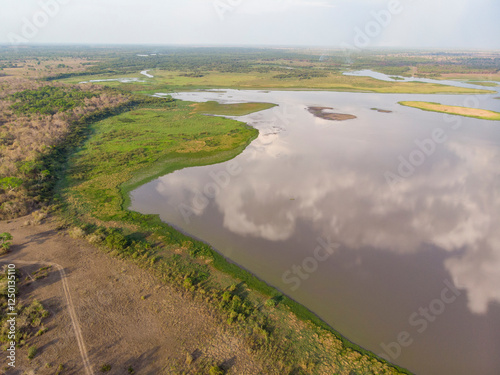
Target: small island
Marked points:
381	110
478	113
321	112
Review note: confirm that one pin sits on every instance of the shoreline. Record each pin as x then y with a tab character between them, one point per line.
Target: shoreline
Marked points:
201	265
227	266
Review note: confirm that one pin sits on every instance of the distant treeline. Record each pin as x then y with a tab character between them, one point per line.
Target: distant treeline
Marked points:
435	64
195	62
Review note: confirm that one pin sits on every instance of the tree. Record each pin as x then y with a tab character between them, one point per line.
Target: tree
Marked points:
10	183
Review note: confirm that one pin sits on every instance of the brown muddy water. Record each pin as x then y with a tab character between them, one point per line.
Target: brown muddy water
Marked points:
386	225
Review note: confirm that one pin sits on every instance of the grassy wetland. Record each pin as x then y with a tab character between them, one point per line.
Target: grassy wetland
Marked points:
288	69
331	81
235	109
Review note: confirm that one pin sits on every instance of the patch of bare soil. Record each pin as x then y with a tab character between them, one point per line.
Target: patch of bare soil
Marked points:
126	317
322	112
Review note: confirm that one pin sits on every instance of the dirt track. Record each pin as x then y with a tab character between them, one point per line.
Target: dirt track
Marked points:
125	316
69	306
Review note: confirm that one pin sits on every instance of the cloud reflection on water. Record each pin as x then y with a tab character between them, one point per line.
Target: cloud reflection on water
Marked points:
452	205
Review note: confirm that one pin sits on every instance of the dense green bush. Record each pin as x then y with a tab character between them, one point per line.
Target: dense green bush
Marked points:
48	100
106	367
116	240
5	241
32	352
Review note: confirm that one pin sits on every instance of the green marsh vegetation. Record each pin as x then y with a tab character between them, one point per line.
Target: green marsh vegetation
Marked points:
169	81
236	109
149	141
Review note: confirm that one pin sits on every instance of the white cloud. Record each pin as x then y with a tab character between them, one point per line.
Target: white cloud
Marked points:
363	212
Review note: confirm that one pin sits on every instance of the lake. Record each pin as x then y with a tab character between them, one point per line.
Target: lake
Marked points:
385	226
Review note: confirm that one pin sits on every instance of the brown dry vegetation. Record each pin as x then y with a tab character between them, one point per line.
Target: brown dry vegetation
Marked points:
29	68
26	137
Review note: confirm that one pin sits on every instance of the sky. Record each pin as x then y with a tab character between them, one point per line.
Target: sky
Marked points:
452	24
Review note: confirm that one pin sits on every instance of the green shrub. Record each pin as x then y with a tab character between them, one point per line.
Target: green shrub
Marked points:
216	370
32	352
274	301
106	367
76	232
116	240
5	241
41	331
226	296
